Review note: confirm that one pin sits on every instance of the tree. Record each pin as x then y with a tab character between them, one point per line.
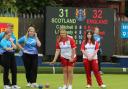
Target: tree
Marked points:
33	6
8	7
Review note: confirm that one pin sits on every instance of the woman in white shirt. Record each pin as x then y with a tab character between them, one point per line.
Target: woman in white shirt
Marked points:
89	48
66	48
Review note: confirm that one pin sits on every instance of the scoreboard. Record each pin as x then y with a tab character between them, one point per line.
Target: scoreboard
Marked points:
76	21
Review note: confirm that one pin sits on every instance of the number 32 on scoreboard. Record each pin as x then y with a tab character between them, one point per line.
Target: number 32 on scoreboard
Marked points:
97	13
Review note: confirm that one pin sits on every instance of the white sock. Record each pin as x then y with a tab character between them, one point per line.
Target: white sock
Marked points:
70	85
64	86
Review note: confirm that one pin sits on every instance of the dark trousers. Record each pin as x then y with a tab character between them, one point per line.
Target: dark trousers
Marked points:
99	59
30	64
9	62
1	63
1	60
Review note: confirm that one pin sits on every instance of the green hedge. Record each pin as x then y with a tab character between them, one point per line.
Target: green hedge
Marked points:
77	70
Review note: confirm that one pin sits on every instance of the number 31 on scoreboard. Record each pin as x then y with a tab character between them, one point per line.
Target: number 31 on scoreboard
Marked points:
63	12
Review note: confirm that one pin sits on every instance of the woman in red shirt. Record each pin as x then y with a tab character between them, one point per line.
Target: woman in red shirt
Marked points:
89	48
66	48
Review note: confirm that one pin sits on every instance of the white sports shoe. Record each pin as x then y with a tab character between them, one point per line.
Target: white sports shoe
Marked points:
34	85
88	86
28	84
64	87
7	87
69	87
15	87
103	86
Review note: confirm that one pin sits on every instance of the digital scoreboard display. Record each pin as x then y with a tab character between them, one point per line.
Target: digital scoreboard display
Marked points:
76	21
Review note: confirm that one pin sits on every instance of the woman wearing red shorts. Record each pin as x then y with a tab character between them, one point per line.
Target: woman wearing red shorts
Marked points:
89	48
66	48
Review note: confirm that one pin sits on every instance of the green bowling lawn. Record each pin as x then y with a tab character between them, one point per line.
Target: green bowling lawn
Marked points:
113	81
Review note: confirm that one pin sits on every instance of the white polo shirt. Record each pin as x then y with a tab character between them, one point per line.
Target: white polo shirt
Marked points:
66	47
89	48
